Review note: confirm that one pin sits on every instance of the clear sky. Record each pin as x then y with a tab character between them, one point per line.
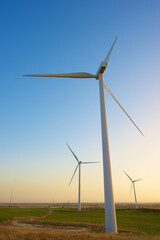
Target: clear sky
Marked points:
38	116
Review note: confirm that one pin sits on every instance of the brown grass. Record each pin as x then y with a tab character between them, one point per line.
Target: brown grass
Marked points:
15	233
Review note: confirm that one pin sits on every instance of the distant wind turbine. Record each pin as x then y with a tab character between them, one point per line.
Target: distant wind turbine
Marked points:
132	183
10	202
79	183
110	216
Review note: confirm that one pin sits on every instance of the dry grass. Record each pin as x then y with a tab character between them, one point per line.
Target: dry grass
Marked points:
15	233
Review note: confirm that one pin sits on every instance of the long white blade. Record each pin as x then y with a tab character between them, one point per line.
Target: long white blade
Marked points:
64	75
131	188
109	53
89	162
73	153
127	175
73	174
138	180
122	108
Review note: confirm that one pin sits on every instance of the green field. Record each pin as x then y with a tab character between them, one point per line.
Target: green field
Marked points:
143	221
85	216
9	213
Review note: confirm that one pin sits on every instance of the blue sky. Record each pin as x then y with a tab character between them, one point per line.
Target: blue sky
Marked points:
39	115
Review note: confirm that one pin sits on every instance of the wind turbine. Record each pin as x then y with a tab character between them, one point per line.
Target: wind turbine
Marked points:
79	183
132	183
10	202
110	216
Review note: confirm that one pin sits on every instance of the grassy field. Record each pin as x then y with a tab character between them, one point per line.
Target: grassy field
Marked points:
131	223
143	220
70	215
9	213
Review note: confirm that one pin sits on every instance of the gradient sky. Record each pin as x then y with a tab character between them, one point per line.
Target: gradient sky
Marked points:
38	116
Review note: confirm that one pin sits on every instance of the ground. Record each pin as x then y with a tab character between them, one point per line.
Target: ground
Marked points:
68	223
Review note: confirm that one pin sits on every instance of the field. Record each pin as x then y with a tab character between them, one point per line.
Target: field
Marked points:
143	220
9	213
67	223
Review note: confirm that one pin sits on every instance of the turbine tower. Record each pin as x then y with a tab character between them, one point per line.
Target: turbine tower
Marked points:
110	216
132	183
79	183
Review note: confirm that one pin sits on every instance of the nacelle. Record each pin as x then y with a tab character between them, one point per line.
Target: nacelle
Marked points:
101	68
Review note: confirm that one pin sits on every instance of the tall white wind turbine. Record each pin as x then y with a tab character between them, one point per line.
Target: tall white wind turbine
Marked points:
110	216
79	183
132	183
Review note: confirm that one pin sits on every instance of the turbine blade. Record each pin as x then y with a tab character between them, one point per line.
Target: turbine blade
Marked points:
130	188
122	108
127	175
89	162
73	153
109	53
64	75
73	174
138	180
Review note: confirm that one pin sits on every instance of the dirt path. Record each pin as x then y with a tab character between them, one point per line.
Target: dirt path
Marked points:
17	223
35	223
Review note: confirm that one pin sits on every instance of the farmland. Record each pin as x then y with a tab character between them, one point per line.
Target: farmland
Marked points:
68	223
9	213
144	220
